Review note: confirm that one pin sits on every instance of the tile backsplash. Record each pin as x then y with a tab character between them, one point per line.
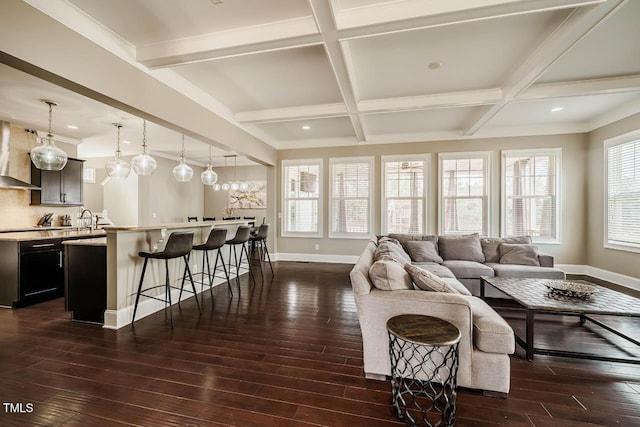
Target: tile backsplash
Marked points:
15	210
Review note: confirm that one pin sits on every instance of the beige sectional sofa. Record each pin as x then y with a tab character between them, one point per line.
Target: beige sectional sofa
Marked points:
487	339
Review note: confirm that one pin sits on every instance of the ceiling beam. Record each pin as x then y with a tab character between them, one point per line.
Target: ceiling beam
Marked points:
437	100
582	87
416	14
260	38
292	113
327	26
577	25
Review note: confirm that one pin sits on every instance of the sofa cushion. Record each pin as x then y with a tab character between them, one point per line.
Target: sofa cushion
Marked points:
437	269
491	333
387	239
521	254
403	238
466	248
491	245
388	275
514	270
455	284
428	281
423	251
468	269
392	250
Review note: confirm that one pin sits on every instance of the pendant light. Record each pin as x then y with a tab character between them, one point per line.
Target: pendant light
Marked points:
47	156
235	185
225	184
118	168
209	177
143	163
183	172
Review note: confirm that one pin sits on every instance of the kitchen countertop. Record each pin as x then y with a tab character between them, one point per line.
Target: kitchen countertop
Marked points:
34	228
174	225
49	234
98	241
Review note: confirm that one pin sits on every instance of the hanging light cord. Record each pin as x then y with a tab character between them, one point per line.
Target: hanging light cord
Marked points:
144	136
118	152
50	134
209	164
182	155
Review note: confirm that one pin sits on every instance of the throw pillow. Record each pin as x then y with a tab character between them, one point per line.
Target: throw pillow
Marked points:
427	281
521	254
388	275
394	251
491	246
423	251
463	248
388	239
403	238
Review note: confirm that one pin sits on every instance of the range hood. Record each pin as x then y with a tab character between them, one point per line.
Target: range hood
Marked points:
7	182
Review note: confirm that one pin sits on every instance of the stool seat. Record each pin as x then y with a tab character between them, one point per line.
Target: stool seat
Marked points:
216	239
243	233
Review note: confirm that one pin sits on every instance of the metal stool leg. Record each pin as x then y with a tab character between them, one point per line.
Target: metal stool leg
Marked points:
246	254
193	286
168	291
266	250
135	308
224	267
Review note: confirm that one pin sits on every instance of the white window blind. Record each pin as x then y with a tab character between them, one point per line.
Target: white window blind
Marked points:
301	189
404	194
531	186
623	195
350	212
464	193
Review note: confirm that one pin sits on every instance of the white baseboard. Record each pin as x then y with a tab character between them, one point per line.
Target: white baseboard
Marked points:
599	273
339	259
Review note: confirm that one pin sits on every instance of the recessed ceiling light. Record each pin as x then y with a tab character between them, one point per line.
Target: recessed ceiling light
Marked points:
72	126
306	127
124	141
556	109
434	65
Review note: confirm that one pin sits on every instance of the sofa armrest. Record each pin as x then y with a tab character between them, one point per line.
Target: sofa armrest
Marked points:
546	260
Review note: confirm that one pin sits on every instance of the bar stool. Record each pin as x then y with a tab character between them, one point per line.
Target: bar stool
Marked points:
216	240
241	238
259	241
178	245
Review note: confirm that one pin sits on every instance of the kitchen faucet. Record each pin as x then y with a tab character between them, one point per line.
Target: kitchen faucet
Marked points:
82	217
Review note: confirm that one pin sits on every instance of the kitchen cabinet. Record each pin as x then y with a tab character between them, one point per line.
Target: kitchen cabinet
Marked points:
58	188
85	279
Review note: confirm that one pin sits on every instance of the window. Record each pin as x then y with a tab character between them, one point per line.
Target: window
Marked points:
622	192
464	193
302	198
404	193
351	204
531	194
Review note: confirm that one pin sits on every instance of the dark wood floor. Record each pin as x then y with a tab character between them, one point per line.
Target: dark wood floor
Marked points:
287	353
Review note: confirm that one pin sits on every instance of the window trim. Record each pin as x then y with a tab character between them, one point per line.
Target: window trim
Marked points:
487	184
608	143
555	151
297	162
358	159
426	159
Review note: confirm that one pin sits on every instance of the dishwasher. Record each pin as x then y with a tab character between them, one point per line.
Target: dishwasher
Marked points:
41	270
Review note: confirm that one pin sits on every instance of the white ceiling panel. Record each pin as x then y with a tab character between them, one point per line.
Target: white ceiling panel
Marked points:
579	109
333	127
612	49
278	79
142	22
422	121
476	55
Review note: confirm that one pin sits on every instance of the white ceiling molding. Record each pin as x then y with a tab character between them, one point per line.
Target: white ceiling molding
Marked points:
326	24
579	23
625	110
291	113
439	100
583	87
260	38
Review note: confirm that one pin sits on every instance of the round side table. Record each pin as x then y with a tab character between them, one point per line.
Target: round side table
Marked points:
424	366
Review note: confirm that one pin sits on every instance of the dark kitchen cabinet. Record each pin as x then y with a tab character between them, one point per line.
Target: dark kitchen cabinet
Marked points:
58	188
41	271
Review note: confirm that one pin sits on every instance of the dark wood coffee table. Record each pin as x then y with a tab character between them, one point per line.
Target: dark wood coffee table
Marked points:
532	297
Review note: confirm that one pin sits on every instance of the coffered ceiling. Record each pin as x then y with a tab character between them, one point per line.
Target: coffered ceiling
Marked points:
298	73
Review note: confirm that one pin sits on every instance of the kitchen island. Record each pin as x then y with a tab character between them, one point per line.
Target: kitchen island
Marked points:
124	266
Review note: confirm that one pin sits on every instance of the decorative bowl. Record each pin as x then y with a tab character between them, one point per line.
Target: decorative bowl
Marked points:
564	288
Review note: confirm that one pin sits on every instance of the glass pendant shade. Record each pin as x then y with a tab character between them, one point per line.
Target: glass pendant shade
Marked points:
234	186
216	187
244	186
118	168
183	172
143	163
225	186
209	177
47	156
